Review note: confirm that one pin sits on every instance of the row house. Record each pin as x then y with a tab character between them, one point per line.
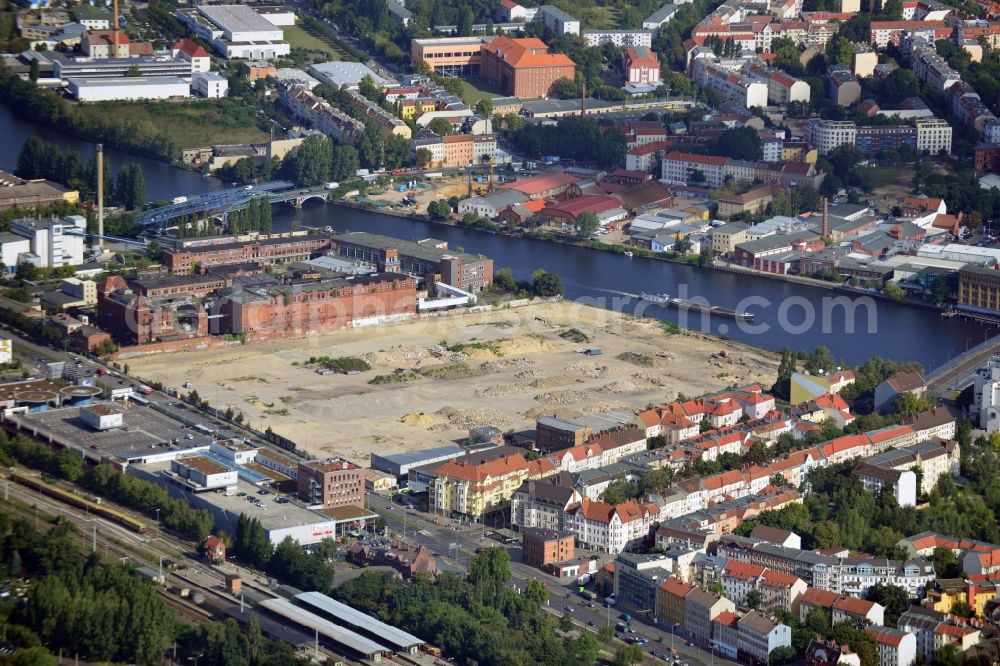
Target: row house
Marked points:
609	528
884	33
681	167
700	608
934	630
840	608
734	88
934	458
600	451
542	504
759	636
895	646
305	107
644	157
777	589
474	486
978	558
670	422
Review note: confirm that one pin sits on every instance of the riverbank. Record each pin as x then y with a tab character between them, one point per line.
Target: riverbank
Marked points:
686	260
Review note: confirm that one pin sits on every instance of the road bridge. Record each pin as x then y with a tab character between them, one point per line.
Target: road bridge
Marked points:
222	202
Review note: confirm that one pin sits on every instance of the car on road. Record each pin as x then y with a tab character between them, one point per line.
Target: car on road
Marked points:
590	624
625	617
568	609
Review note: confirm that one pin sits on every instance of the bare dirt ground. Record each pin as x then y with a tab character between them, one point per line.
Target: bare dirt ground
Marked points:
439	188
503	368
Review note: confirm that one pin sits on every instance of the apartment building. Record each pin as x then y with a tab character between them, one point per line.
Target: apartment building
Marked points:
884	33
700	608
933	136
477	485
842	86
557	21
895	646
540	547
542	504
609	528
688	168
825	135
638	578
759	636
622	38
840	608
732	87
670	601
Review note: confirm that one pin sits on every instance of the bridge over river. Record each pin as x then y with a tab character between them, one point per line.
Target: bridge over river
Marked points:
222	202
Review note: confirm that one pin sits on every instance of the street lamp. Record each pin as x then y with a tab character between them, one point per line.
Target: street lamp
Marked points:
157	520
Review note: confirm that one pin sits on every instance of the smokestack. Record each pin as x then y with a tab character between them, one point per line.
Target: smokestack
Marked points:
826	217
100	196
114	31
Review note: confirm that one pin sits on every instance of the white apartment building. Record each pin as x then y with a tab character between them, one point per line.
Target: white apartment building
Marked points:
618	37
990	131
731	86
934	136
610	528
679	168
660	17
558	21
825	135
895	646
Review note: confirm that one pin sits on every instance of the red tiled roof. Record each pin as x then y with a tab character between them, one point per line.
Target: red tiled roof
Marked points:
853	605
527	52
716	160
743	570
541	183
676	587
191	48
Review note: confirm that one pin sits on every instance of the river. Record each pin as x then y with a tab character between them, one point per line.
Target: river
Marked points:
787	314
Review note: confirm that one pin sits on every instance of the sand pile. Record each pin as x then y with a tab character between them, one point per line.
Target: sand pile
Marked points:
501	364
419	419
561	397
528	344
589	369
469	418
620	386
407	356
555	411
529	374
552	382
500	390
608	406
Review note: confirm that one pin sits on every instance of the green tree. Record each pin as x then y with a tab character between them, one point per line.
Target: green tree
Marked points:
484	108
586	224
488	574
344	163
840	51
782	386
33	70
441	127
545	284
313	160
741	143
894	291
893	598
423	158
371	146
945	562
367	87
440	210
504	282
627	655
754	599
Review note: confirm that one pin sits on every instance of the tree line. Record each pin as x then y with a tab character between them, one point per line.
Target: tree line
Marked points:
478	618
255	217
575	137
106	481
287	561
41	159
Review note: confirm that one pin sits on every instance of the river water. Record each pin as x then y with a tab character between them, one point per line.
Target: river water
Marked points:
787	314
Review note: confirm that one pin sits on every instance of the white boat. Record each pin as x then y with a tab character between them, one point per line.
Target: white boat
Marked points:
662	299
628	253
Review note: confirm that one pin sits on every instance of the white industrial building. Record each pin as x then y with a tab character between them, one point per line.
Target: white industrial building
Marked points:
986	404
203	473
101	417
967	254
210	85
49	243
129	88
237	31
338	74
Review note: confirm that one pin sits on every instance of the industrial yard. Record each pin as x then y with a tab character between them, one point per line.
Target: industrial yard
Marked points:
431	380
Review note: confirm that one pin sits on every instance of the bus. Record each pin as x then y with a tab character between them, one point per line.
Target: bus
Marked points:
141	399
205	430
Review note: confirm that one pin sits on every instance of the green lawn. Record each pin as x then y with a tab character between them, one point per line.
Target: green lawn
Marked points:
475	89
298	38
880	177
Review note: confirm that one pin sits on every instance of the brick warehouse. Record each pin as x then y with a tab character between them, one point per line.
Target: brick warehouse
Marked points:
315	306
137	312
265	251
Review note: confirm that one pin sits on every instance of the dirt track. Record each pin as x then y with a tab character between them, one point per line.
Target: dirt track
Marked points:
514	366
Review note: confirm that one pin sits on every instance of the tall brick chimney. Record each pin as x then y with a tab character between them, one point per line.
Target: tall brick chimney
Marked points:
826	217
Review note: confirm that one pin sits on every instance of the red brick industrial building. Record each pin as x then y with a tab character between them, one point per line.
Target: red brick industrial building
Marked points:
134	315
524	68
266	251
331	483
314	307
